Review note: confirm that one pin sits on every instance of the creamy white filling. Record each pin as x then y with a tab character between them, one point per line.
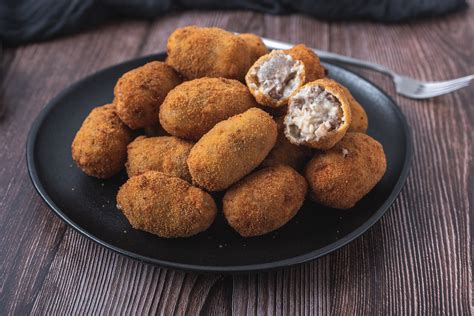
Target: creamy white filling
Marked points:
279	75
313	113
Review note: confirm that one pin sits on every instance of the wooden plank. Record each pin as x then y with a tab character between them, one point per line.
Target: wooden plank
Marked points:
30	233
86	278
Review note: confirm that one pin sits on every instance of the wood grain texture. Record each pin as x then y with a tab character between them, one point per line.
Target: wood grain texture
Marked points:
416	260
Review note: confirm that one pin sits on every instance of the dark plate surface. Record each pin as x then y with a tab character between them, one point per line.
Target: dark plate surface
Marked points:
88	204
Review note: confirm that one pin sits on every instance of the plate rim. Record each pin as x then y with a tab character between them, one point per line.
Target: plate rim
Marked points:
250	268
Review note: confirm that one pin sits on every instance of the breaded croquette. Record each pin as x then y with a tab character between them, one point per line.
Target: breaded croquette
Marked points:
286	153
256	46
232	149
166	206
359	121
197	52
274	77
140	92
343	175
191	109
318	115
264	200
166	154
100	146
312	65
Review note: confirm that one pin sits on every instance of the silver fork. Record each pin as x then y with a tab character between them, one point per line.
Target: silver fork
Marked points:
405	86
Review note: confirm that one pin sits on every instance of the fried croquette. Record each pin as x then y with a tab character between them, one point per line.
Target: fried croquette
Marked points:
343	175
318	115
285	153
166	206
100	146
232	149
140	92
359	121
191	109
275	76
264	201
256	46
167	154
197	52
312	65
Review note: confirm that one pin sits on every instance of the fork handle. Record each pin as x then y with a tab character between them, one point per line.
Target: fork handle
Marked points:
332	57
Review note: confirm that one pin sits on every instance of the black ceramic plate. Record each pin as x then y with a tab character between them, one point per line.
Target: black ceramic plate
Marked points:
88	204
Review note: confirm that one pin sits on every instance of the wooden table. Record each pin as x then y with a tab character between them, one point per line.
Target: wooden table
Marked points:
416	260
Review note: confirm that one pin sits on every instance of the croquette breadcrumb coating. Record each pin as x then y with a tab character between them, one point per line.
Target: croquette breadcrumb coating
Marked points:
140	92
312	65
274	77
359	121
256	46
166	154
264	200
197	52
166	206
285	153
232	149
191	109
318	115
343	175
100	146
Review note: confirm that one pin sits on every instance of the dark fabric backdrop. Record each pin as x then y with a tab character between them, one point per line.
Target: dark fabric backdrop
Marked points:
33	20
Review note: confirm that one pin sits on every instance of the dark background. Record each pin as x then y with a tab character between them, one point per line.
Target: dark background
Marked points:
32	20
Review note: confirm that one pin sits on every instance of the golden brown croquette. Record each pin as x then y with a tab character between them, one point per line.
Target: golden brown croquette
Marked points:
140	92
256	46
343	175
312	65
274	77
264	200
100	146
359	121
166	206
167	154
318	115
191	109
232	149
197	52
